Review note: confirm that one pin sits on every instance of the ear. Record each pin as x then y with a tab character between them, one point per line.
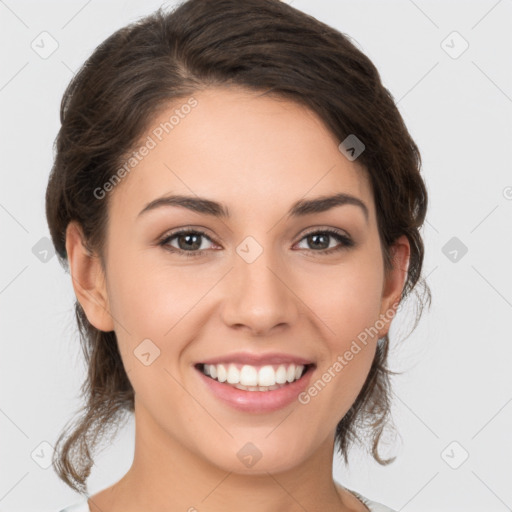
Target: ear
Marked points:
88	279
394	281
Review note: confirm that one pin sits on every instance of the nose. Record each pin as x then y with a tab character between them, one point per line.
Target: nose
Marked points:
259	296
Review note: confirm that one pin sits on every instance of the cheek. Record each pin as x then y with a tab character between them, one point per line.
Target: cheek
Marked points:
147	295
347	298
151	300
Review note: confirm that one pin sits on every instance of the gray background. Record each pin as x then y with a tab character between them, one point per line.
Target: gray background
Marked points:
454	399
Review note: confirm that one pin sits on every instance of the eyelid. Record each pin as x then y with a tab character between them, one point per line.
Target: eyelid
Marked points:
186	229
324	229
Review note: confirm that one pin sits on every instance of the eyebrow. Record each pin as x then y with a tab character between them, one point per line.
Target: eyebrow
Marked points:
300	208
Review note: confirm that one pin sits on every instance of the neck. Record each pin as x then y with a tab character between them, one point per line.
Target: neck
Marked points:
165	475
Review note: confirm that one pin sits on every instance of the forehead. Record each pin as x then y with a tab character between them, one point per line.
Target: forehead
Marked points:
242	148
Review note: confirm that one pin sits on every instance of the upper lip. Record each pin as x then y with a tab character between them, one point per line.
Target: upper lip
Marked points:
258	359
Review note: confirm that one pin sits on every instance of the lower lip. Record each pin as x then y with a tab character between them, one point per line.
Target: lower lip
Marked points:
257	401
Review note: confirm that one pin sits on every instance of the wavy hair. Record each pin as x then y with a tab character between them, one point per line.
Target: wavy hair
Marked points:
260	45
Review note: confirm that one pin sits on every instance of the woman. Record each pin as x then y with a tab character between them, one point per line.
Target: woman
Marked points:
238	201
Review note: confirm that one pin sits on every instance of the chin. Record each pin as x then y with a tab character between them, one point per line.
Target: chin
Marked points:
257	457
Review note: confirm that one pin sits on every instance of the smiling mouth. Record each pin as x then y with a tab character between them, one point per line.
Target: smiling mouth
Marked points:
255	378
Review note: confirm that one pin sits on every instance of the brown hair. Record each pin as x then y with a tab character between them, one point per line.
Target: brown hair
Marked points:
261	45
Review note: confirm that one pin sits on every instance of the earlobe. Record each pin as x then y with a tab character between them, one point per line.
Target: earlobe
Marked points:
395	280
88	279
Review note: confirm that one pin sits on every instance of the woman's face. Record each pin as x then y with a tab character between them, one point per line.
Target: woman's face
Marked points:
262	281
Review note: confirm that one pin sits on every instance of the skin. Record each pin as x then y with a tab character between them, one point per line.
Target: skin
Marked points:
257	155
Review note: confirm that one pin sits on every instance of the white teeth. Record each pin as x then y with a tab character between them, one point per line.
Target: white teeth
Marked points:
256	388
233	374
281	375
221	372
252	378
266	376
248	376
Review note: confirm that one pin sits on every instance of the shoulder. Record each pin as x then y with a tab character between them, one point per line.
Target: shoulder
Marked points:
81	506
373	506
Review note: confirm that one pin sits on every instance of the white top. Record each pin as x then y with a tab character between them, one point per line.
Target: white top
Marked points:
373	506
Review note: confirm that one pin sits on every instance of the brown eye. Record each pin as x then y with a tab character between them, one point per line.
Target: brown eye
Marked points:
189	242
319	241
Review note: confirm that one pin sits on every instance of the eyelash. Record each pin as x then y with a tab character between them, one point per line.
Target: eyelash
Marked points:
346	242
